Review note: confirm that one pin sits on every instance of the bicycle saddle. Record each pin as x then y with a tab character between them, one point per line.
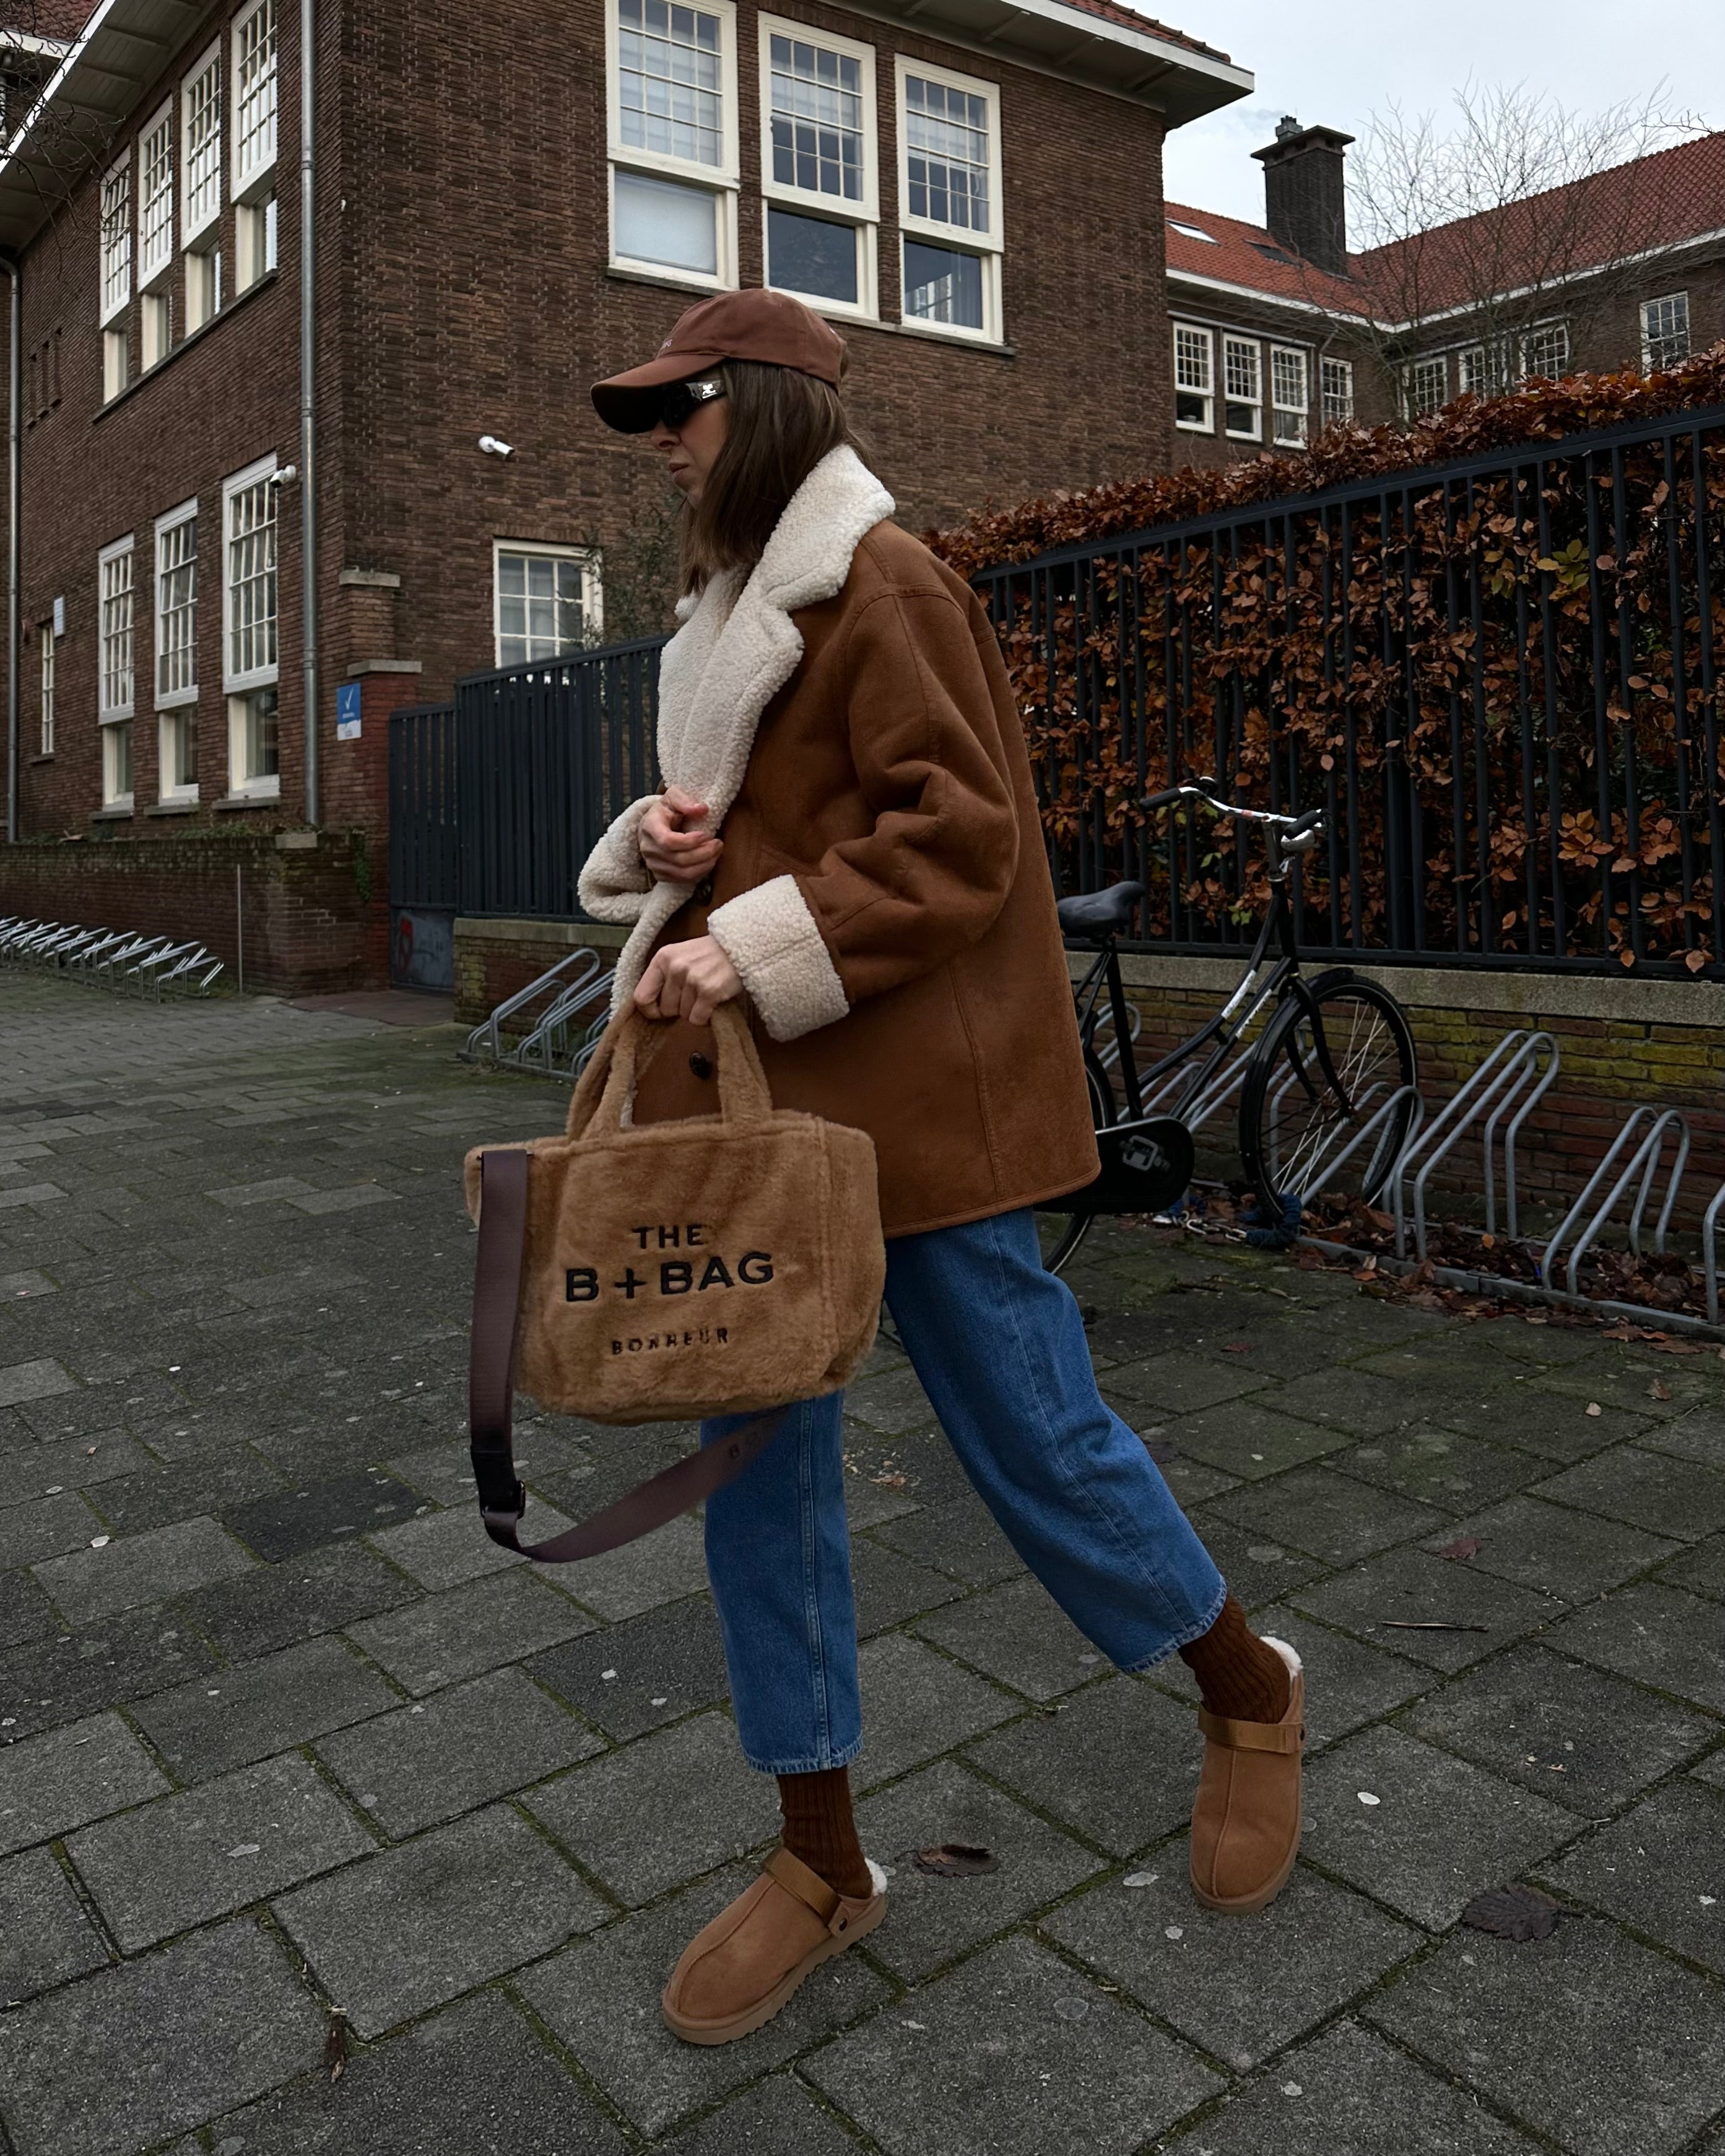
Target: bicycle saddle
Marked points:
1095	914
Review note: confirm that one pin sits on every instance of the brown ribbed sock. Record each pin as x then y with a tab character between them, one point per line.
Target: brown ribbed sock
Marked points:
1237	1673
819	1828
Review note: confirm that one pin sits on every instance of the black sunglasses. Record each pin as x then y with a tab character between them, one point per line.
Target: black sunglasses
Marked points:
682	400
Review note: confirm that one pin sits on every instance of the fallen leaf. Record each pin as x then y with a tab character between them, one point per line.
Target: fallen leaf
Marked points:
1238	1348
335	2044
955	1859
1658	1390
1519	1913
1464	1546
1427	1625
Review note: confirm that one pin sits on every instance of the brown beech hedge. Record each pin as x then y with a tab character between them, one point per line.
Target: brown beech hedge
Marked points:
1514	687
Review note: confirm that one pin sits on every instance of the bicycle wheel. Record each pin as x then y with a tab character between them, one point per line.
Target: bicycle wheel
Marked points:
1060	1229
1328	1065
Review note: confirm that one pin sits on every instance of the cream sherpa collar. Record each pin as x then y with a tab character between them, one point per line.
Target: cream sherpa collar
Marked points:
735	651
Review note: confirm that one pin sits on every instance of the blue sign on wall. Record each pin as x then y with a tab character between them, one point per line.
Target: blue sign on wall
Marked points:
347	711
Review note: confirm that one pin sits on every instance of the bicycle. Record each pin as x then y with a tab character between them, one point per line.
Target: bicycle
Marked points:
1328	1092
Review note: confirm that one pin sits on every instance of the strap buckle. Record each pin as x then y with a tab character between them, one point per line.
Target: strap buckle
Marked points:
501	1494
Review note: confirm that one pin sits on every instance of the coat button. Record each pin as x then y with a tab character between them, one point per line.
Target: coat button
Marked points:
701	1065
704	890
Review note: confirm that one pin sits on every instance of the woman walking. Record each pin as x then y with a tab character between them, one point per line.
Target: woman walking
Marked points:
849	837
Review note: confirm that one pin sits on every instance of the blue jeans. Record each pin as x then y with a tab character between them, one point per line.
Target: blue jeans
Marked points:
999	1347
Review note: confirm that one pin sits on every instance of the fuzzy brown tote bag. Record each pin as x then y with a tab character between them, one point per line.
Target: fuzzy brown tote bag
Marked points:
719	1265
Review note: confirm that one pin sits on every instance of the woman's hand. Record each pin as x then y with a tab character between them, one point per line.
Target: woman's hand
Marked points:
688	980
672	851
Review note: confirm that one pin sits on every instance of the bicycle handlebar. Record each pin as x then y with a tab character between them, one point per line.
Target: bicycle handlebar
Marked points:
1292	827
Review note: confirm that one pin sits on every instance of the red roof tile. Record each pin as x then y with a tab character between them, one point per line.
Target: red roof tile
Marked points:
1245	254
1670	196
54	18
1674	195
1129	19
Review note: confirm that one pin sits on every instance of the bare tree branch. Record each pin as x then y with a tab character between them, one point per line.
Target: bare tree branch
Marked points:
1520	212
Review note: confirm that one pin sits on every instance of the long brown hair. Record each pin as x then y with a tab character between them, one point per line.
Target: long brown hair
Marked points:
782	422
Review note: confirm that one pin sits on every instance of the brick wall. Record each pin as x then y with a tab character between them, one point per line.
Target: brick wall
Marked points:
488	307
1621	1043
315	915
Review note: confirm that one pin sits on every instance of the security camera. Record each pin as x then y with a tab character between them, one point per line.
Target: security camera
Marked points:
283	473
491	447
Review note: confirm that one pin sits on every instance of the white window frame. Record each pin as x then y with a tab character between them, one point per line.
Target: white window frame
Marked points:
1540	332
1651	337
156	242
1433	363
172	521
1207	425
195	218
240	688
253	174
255	677
1290	424
1248	348
1335	404
115	239
117	550
862	216
722	181
45	734
959	239
1490	365
110	716
592	604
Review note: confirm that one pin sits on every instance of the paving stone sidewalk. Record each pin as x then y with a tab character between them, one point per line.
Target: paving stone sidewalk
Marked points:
281	1732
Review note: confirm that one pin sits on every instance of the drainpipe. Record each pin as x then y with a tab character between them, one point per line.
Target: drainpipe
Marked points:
14	528
308	388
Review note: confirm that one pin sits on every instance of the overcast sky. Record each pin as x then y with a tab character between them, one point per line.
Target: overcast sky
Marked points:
1360	56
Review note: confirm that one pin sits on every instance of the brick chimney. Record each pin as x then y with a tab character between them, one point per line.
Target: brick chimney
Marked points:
1304	205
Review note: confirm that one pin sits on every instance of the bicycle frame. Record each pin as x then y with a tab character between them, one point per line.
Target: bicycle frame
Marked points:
1220	1033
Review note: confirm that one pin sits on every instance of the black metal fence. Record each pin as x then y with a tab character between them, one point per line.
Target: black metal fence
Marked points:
496	800
423	845
1501	675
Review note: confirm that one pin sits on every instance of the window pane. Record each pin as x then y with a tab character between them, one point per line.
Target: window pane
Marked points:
203	145
659	221
254	88
817	119
512	574
809	254
942	285
669	84
251	578
947	154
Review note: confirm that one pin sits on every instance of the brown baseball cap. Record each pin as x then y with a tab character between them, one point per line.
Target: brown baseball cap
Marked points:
768	326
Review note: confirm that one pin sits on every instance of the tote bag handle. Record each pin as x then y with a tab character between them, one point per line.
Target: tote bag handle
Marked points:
629	1043
490	1396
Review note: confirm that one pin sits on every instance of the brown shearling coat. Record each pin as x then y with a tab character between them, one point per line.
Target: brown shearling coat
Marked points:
883	888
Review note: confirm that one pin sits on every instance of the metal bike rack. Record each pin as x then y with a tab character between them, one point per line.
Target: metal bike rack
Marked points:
486	1041
1330	1164
560	1045
1645	1161
1509	1078
119	959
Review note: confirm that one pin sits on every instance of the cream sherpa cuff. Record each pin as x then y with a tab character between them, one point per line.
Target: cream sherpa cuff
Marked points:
770	936
614	879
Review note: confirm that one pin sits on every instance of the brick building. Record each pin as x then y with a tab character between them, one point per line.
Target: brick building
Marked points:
1279	328
507	202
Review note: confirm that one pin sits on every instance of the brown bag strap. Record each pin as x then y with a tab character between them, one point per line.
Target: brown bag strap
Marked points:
490	1400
